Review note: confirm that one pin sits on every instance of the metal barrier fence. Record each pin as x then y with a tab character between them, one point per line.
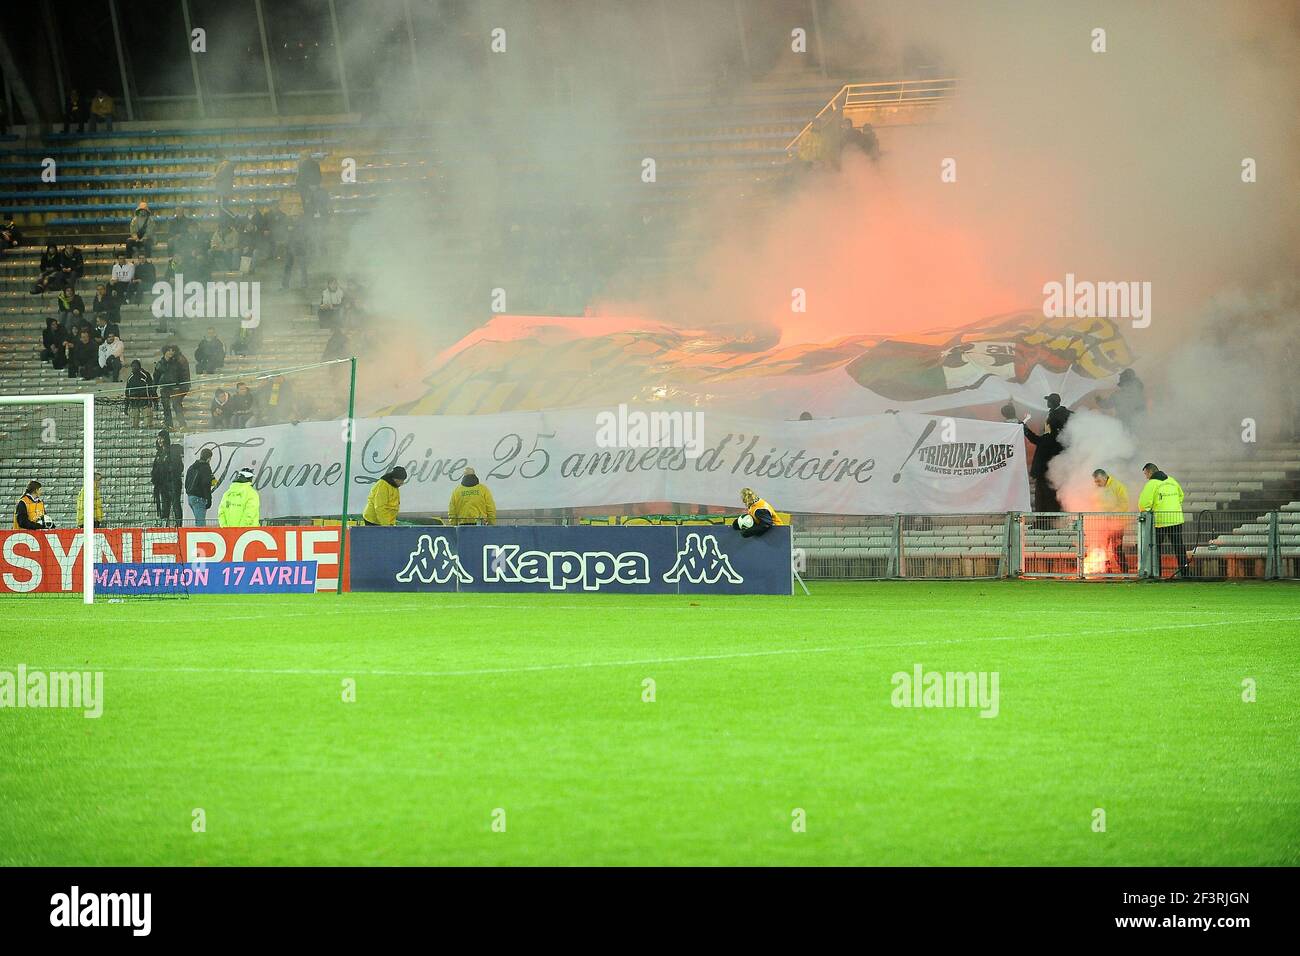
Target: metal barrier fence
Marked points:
1214	545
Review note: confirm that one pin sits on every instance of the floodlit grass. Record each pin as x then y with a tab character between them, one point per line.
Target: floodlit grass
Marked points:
1122	697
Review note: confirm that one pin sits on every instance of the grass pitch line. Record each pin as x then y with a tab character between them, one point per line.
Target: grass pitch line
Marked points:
654	661
155	619
471	672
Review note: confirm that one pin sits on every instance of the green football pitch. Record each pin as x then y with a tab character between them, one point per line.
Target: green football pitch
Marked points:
516	729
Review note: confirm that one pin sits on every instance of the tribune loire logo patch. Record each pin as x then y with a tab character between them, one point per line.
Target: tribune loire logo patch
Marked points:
701	562
433	563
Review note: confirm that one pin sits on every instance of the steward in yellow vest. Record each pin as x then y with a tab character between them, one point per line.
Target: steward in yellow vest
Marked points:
764	515
29	511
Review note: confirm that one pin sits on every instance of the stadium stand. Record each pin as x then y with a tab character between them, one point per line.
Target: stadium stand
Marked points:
700	146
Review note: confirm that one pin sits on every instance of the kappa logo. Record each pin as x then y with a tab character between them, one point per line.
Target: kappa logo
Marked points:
433	563
558	569
701	562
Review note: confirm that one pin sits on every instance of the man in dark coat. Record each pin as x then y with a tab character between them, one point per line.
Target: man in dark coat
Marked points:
140	395
198	487
83	357
309	185
52	339
172	377
210	354
1047	446
166	475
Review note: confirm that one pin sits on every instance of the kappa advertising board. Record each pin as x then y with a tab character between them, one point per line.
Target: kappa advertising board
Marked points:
621	560
50	561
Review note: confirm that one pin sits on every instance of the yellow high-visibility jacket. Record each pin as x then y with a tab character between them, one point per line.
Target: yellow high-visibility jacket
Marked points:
81	507
1164	499
762	505
383	504
241	506
472	504
1112	496
35	510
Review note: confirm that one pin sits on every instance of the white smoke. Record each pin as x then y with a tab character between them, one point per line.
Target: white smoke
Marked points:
1093	440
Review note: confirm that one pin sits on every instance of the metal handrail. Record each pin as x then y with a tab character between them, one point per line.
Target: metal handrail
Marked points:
889	93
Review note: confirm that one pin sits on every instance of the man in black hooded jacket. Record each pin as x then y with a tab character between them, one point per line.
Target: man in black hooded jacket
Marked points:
167	472
1047	446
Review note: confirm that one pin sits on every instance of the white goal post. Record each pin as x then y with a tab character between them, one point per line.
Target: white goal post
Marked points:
87	403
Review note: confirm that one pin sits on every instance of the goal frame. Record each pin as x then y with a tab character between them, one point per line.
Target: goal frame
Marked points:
87	402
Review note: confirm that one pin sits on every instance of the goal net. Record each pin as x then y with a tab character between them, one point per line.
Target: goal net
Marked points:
58	499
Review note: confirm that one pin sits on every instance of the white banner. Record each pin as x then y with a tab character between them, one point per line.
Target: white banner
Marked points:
880	464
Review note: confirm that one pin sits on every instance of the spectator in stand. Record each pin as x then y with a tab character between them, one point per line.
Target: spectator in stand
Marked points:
309	186
4	119
111	353
59	356
275	405
167	474
262	225
1162	496
247	341
10	237
252	246
145	276
197	264
137	238
219	413
71	308
338	347
52	339
74	111
863	139
73	263
85	325
1128	401
122	277
330	313
83	356
198	487
241	405
224	248
210	354
49	268
223	184
68	267
99	504
101	111
172	377
140	395
104	307
174	269
29	511
295	257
